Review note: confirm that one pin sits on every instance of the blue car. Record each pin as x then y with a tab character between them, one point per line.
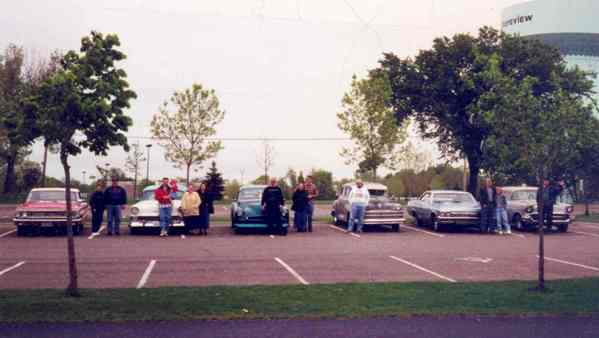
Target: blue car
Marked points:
246	211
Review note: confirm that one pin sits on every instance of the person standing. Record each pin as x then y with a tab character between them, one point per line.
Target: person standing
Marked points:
488	197
549	197
272	203
115	198
358	200
312	194
206	208
301	207
97	204
165	206
501	213
190	209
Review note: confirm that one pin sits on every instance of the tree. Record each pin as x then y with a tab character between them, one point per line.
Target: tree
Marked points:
232	189
440	87
369	122
184	133
324	182
106	174
31	175
544	132
134	163
215	182
81	107
266	159
48	148
291	178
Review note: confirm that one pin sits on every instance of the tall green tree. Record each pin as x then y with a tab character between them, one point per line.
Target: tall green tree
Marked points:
184	133
324	182
82	107
214	181
441	87
370	123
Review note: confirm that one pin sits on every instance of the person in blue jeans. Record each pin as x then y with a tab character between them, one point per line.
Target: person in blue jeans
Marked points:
358	199
165	206
115	198
503	225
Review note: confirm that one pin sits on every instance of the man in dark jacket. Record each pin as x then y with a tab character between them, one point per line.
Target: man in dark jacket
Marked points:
488	200
550	194
97	204
115	198
272	203
301	205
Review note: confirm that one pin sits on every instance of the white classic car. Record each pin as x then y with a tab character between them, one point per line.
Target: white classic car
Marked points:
144	214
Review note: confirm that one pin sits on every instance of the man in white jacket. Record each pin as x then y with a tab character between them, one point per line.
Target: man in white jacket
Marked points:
358	199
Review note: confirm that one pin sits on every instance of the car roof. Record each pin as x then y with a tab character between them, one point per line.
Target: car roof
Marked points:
253	186
54	189
368	185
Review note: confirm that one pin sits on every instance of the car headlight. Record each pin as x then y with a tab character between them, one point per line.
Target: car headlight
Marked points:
134	211
22	214
445	214
530	209
569	209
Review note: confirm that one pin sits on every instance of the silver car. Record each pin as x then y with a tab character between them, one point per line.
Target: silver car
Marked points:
442	209
522	209
379	211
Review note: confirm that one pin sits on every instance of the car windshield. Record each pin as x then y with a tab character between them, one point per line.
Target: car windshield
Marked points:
524	195
250	194
452	197
149	195
50	196
377	192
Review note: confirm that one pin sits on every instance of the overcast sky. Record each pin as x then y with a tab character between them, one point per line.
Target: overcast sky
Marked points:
280	67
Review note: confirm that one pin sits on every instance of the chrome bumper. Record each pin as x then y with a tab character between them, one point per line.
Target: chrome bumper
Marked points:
154	224
40	221
383	221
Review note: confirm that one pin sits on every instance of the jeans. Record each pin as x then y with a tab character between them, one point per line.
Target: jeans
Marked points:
97	218
114	218
165	217
502	221
300	220
309	215
486	218
357	213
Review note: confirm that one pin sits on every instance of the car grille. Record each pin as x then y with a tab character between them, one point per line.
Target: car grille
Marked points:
463	214
391	214
556	217
46	214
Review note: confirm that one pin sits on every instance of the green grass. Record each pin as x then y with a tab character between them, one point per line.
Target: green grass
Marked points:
566	297
592	218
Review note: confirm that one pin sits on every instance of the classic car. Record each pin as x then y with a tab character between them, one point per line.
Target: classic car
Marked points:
379	211
523	213
46	208
246	211
145	215
444	209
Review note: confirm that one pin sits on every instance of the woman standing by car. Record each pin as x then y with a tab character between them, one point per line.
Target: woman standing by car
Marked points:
190	209
206	208
301	200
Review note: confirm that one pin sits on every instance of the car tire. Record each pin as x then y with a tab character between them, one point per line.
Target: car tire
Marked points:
562	228
416	220
395	227
437	227
517	222
347	220
21	230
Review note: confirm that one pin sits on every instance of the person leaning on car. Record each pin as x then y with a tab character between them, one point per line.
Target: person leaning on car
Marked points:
97	204
272	203
115	198
488	200
550	194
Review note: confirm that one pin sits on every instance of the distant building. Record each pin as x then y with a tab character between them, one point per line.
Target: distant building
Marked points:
570	25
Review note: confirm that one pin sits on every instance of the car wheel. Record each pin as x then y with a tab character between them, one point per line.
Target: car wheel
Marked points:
395	227
436	225
416	220
517	222
347	219
562	228
21	230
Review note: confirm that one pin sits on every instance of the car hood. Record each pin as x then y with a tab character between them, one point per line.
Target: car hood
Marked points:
150	208
457	207
48	206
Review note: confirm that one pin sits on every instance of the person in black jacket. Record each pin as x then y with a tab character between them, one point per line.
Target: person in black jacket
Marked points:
115	198
550	194
272	203
488	201
301	205
97	204
206	208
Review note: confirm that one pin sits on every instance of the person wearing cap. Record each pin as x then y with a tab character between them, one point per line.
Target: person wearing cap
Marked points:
115	198
358	199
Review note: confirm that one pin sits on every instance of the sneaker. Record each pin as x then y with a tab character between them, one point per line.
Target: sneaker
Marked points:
509	232
501	232
162	233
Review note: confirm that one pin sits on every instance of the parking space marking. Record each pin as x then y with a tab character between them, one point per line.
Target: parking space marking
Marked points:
94	234
291	271
344	231
423	269
146	275
571	263
8	233
423	231
517	235
11	268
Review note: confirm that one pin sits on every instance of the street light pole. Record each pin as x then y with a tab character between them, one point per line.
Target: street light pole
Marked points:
148	146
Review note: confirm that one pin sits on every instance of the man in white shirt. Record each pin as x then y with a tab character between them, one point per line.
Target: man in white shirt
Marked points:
358	199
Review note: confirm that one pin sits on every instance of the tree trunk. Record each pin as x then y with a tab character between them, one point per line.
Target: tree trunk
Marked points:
72	288
10	184
44	165
541	221
474	169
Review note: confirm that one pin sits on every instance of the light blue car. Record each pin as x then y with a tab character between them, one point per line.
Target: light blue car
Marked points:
246	211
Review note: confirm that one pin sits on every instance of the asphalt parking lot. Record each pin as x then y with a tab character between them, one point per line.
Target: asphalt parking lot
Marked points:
327	255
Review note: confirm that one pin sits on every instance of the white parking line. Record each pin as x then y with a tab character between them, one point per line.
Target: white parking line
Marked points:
423	269
585	233
291	271
94	234
11	268
344	231
423	231
146	275
571	263
8	233
517	235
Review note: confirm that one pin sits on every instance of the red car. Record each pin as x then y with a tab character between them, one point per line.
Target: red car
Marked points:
46	208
